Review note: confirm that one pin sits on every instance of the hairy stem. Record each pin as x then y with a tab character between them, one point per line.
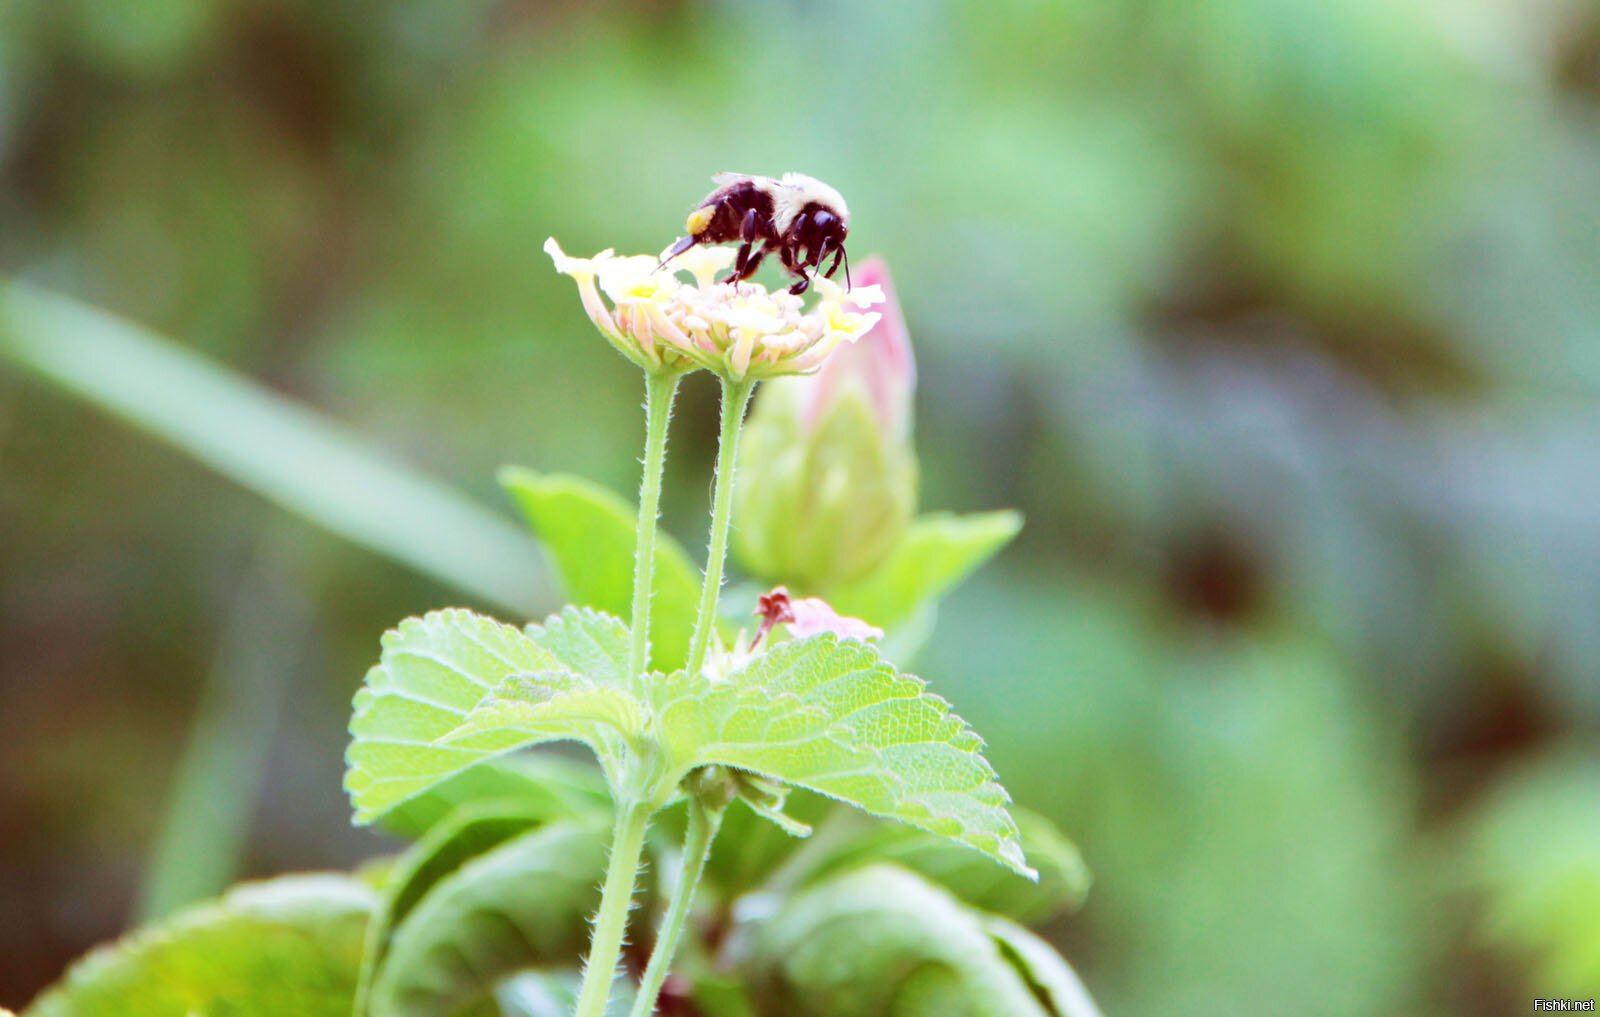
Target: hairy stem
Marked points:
616	900
704	821
659	391
735	396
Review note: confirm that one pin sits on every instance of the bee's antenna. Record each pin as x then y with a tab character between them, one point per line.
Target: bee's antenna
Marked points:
846	254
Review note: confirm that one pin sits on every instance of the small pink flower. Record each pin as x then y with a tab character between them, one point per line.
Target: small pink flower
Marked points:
809	616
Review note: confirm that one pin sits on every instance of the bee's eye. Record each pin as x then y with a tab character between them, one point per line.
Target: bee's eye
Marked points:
823	221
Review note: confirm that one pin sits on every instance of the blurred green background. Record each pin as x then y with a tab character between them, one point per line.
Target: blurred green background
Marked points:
1280	319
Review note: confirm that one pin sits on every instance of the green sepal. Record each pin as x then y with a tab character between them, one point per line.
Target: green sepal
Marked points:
937	552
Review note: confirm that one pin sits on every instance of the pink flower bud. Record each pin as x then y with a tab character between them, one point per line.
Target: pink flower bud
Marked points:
880	361
828	477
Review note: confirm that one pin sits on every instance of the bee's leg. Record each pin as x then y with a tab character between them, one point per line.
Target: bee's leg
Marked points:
793	266
754	261
747	229
793	243
833	268
743	266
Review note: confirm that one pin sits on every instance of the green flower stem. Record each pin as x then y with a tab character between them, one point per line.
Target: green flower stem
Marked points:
735	397
659	391
704	821
616	900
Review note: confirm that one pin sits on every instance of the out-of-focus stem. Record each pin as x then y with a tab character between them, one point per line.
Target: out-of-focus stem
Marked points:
215	788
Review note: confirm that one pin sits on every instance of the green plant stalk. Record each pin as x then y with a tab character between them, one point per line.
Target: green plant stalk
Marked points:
704	822
616	900
280	449
214	790
735	397
659	390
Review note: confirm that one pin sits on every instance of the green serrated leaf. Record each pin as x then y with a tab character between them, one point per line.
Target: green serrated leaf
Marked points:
590	532
432	672
587	642
528	709
829	715
522	904
285	946
471	831
937	552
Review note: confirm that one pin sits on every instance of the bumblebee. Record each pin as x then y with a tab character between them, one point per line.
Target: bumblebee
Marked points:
800	218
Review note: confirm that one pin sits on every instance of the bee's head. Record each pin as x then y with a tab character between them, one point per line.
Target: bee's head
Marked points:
818	226
828	224
825	232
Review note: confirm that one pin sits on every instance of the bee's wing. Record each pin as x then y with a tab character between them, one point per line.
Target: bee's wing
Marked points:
725	178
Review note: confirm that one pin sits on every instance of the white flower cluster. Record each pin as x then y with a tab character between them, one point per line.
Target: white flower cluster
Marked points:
737	330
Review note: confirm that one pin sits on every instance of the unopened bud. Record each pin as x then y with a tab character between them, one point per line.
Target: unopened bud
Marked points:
828	475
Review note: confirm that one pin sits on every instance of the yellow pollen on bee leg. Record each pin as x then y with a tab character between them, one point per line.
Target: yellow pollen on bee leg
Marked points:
699	219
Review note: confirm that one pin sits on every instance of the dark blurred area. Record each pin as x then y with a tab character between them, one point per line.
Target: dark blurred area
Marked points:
1279	319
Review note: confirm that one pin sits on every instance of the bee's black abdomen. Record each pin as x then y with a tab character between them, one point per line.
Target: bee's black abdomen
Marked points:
730	205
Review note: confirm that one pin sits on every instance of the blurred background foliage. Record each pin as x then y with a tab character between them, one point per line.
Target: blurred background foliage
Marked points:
1277	318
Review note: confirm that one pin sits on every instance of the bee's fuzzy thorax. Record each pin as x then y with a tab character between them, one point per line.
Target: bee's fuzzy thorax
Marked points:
795	191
